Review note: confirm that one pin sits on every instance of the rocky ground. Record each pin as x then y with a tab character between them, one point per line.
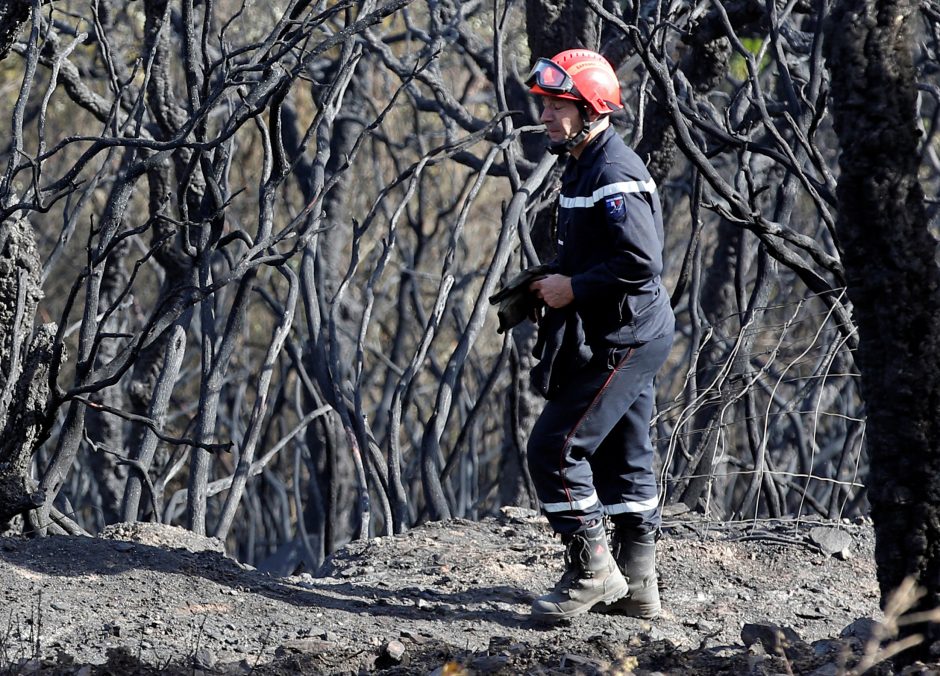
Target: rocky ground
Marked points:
446	598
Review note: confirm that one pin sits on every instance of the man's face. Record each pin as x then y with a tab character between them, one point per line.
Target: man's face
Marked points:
561	118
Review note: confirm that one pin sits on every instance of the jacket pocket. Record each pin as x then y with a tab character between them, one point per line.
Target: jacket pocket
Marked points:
638	304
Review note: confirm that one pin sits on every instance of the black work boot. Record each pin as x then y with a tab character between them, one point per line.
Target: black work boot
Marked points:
591	577
635	553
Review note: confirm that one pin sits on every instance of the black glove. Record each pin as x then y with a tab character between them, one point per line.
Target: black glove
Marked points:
515	301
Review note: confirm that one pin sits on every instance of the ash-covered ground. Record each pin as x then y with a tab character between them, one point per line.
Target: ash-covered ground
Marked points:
445	598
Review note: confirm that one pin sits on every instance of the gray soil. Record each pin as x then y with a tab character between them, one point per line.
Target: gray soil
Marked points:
445	598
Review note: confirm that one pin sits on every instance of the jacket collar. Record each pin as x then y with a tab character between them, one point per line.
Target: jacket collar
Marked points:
592	150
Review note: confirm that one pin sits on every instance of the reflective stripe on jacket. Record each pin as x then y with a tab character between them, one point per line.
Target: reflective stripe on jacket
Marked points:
610	242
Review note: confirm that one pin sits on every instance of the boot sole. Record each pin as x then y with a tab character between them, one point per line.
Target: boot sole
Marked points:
645	609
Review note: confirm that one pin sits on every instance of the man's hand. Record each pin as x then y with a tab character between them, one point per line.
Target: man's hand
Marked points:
554	290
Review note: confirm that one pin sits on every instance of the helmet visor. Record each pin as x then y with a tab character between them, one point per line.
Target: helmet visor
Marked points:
551	77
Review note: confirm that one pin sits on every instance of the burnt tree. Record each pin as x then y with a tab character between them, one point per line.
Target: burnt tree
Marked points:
295	218
894	283
25	358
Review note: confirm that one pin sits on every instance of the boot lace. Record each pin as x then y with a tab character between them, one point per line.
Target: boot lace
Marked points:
576	563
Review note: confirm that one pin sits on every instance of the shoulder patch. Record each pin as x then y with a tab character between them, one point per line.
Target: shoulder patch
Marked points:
615	206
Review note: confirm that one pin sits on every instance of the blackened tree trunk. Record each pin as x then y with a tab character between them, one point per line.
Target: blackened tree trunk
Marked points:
25	359
106	431
555	25
893	280
13	14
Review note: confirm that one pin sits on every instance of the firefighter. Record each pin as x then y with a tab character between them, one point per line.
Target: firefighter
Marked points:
607	329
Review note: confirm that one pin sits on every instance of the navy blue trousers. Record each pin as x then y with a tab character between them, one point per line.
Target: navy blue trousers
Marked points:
590	453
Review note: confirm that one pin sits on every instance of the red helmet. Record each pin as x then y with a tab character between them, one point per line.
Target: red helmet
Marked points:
577	75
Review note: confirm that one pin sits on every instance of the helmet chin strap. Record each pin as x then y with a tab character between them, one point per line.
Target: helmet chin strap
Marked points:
569	144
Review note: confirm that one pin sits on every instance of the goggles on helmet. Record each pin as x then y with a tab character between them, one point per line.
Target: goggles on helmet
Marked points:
552	78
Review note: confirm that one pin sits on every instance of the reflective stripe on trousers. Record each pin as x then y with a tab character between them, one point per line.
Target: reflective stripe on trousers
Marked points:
590	452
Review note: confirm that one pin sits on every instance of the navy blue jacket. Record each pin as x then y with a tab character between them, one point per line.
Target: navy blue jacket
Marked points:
610	242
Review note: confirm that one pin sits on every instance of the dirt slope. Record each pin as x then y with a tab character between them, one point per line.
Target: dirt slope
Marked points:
450	597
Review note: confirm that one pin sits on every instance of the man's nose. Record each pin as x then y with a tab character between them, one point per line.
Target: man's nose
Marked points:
546	115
